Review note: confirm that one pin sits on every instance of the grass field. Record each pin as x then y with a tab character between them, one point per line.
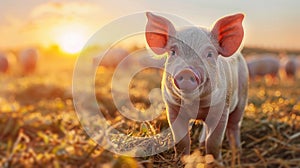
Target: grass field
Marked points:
39	126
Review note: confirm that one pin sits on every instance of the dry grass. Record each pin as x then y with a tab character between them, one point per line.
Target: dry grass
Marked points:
39	127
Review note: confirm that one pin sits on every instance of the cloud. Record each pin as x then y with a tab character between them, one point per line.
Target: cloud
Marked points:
64	10
52	13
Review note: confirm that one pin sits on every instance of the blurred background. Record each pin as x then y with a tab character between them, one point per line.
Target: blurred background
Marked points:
271	24
41	40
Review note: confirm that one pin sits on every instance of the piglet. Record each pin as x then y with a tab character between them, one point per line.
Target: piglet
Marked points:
205	78
291	68
3	63
28	60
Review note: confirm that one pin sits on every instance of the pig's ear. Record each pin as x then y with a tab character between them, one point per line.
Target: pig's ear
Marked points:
158	32
229	33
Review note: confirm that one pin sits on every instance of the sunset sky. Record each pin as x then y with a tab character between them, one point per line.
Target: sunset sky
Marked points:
268	23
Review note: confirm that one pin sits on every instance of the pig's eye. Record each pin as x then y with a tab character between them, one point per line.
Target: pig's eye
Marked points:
172	52
209	55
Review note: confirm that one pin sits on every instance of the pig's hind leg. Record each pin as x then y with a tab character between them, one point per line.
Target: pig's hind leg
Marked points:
233	133
233	128
234	125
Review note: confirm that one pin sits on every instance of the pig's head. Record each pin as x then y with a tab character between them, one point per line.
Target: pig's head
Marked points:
193	52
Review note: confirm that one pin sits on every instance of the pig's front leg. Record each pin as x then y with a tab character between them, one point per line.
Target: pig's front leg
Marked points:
215	136
179	124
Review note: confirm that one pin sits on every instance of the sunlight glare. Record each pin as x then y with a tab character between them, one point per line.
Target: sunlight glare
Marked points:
72	40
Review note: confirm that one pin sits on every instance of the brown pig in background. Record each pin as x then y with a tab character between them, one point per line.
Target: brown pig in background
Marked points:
28	60
204	78
290	68
3	63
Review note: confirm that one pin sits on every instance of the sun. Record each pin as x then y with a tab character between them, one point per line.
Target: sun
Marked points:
72	40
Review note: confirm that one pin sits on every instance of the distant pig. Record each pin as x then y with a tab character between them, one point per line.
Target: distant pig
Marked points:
3	63
204	78
264	65
111	58
28	60
291	67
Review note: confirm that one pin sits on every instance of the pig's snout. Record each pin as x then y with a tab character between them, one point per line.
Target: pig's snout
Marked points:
186	80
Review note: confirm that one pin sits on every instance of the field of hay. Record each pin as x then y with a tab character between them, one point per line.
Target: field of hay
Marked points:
39	126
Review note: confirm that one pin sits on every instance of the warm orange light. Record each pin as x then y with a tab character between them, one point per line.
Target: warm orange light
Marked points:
72	39
72	42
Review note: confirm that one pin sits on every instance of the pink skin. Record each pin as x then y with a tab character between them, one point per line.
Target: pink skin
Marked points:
195	67
263	66
186	80
3	63
28	60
